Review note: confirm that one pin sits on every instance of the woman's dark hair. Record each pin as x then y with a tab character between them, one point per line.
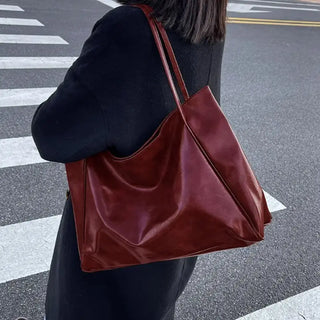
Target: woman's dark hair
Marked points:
195	20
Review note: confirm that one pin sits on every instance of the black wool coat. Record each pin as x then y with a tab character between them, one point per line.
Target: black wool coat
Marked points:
113	97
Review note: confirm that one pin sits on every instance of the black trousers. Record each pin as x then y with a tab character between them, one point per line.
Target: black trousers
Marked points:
142	292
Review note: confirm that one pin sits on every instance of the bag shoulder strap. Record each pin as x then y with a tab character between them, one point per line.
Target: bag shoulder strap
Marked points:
157	30
172	58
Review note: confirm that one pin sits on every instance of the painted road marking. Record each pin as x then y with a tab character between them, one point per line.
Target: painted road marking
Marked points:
20	22
24	97
273	204
26	248
110	3
33	242
19	151
31	39
274	22
247	8
284	8
5	7
36	62
242	8
282	3
305	305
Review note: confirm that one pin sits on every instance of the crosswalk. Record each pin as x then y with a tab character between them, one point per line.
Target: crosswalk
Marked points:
24	97
20	22
18	152
33	240
31	39
35	63
5	7
305	305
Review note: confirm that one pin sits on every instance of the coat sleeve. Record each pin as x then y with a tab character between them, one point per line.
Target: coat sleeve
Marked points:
71	124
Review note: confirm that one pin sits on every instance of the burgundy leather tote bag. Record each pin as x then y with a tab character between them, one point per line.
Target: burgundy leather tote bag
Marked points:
188	190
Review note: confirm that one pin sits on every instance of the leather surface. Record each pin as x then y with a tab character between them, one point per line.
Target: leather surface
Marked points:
188	190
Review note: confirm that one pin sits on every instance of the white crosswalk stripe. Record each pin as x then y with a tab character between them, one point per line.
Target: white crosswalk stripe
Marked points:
110	3
24	97
4	7
305	305
18	152
36	62
273	204
31	241
31	39
20	22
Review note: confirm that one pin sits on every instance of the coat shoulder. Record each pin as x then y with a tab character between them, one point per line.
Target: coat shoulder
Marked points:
120	20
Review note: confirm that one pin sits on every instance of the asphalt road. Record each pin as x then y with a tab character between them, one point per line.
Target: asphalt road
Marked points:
271	97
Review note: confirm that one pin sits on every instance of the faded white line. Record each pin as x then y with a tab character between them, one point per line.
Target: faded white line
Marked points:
248	8
20	22
26	248
242	8
24	97
31	39
110	3
284	8
305	305
36	62
33	242
282	3
18	152
5	7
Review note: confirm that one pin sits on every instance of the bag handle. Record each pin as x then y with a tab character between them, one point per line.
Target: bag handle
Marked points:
172	58
157	30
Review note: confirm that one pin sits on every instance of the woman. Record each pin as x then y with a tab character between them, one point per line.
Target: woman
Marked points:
113	97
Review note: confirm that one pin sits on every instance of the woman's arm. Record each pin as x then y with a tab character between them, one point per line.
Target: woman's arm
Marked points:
70	125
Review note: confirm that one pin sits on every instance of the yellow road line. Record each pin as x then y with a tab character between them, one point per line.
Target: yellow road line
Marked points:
276	24
271	20
266	22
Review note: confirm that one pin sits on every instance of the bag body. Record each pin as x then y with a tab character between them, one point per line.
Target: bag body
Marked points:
188	190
